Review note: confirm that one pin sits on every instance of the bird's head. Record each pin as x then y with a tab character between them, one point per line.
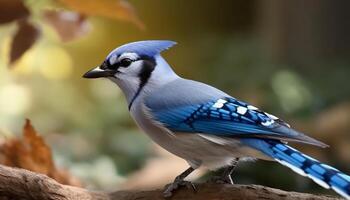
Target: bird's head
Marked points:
133	64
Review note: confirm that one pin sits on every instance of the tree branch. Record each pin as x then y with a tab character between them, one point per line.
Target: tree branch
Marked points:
23	184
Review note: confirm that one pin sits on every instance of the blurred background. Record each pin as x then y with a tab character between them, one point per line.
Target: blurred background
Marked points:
290	58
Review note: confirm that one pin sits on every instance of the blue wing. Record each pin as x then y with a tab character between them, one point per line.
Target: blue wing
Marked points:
228	117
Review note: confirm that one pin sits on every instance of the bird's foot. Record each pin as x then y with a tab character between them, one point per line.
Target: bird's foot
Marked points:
221	180
171	188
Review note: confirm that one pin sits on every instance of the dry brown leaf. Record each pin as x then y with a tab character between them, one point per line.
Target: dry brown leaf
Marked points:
32	153
114	9
11	10
68	25
23	39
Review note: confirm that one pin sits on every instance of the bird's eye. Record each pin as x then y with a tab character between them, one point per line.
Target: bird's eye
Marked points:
125	62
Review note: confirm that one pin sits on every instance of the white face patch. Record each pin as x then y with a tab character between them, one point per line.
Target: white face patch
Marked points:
131	56
113	59
219	103
241	110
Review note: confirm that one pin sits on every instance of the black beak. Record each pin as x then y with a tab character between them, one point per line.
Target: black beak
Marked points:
99	73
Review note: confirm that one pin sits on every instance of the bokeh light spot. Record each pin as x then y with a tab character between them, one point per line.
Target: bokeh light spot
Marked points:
292	94
56	64
14	99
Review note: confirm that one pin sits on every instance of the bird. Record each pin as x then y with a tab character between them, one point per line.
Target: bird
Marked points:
204	125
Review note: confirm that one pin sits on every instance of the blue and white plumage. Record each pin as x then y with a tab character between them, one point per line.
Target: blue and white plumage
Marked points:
202	124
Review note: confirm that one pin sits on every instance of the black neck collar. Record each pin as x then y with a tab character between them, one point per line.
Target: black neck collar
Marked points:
148	67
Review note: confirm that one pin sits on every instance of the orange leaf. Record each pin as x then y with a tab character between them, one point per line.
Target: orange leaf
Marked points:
68	25
11	10
114	9
32	153
38	151
23	39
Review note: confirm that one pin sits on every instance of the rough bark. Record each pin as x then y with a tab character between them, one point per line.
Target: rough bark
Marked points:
23	184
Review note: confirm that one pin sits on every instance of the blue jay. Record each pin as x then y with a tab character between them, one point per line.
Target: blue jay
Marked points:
202	124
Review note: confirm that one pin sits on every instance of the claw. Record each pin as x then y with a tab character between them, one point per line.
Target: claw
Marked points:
171	188
178	182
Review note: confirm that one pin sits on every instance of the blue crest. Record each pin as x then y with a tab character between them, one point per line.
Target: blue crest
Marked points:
147	47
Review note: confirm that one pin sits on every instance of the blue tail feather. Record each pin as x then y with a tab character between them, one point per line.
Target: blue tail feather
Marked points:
322	174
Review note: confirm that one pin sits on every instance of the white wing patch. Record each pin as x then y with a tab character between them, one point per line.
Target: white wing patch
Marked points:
241	110
268	123
250	107
271	116
219	103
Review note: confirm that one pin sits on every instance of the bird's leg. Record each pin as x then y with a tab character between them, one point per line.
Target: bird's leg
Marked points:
178	182
227	174
225	178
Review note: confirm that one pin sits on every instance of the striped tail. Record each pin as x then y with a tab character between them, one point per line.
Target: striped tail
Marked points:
324	175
